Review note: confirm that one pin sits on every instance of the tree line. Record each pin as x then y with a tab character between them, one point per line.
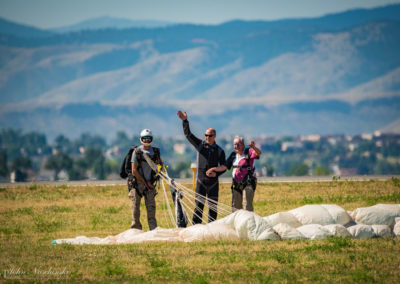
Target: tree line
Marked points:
27	155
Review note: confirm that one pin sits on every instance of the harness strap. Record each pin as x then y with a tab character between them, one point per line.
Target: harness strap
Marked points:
155	159
242	167
248	178
247	165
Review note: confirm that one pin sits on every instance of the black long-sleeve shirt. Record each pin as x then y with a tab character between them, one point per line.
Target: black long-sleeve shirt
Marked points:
208	156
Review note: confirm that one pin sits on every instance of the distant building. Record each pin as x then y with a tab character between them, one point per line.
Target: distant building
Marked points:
366	136
335	169
12	177
113	152
332	141
62	175
264	172
311	138
286	146
366	154
180	148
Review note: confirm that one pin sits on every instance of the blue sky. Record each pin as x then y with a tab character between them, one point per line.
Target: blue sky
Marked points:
57	13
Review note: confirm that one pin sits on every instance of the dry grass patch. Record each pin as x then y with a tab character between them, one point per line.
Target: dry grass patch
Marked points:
32	216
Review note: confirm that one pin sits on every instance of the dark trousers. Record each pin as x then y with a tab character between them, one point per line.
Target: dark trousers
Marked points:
181	219
208	187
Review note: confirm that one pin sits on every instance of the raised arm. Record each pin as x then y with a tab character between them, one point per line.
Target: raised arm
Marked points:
196	142
253	146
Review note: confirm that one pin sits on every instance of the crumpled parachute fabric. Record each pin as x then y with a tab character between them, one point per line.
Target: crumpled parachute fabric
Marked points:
306	222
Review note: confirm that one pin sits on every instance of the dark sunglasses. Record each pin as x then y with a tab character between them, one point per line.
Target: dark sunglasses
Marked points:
147	137
208	135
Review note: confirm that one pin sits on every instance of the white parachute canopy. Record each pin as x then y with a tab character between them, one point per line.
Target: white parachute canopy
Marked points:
245	225
306	222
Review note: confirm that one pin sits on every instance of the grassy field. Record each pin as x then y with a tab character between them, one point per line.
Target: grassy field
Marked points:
32	216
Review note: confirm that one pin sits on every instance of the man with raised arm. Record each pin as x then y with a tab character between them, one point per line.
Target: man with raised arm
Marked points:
210	164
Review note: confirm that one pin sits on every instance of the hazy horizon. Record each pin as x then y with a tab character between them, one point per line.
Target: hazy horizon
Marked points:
48	14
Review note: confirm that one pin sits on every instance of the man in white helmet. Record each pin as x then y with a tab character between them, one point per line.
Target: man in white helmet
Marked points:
145	180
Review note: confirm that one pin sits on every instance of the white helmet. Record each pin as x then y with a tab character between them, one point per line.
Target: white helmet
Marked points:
146	133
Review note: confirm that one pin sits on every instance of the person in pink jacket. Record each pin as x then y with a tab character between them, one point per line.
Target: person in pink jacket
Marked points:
244	180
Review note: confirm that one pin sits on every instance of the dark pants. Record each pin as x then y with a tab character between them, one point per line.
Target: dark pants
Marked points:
208	187
181	219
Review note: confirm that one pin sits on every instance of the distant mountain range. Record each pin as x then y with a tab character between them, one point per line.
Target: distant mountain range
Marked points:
335	74
111	23
18	30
